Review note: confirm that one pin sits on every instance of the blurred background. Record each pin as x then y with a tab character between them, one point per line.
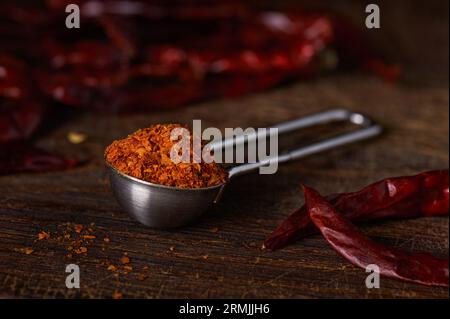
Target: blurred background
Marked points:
149	56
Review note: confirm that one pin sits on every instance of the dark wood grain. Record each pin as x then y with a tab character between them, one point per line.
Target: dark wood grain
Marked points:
197	261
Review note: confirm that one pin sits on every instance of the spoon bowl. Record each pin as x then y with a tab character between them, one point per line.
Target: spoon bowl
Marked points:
160	206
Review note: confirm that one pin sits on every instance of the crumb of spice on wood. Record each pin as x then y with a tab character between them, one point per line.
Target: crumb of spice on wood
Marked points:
117	295
125	259
43	235
112	268
145	155
142	277
75	238
81	250
27	251
78	228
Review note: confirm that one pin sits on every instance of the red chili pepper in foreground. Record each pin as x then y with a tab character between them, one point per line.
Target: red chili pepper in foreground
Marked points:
361	251
425	194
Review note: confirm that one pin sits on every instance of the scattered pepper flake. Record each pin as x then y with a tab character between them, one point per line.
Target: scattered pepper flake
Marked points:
81	250
214	230
128	268
78	228
124	259
27	250
89	237
145	155
117	295
112	268
106	240
43	235
142	277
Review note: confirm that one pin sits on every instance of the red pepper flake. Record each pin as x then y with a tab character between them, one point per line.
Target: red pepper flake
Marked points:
146	155
128	269
43	235
106	240
142	277
27	250
81	250
89	237
215	230
78	228
117	295
125	260
112	268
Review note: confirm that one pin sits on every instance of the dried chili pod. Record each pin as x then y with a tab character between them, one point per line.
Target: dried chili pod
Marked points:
21	111
361	251
22	157
425	194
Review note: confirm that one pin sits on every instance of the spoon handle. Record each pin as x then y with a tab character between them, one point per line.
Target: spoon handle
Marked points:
367	128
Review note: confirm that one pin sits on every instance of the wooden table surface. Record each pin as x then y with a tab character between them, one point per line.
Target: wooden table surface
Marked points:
220	255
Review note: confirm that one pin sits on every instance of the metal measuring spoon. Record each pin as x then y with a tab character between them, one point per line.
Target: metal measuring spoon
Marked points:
162	206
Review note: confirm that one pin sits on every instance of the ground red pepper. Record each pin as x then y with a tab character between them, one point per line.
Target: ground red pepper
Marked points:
361	251
425	194
146	154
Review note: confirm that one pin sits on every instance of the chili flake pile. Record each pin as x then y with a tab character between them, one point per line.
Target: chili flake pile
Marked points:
146	155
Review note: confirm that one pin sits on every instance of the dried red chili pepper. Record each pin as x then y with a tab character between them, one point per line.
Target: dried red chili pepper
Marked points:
361	251
21	111
226	49
245	51
22	157
425	194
